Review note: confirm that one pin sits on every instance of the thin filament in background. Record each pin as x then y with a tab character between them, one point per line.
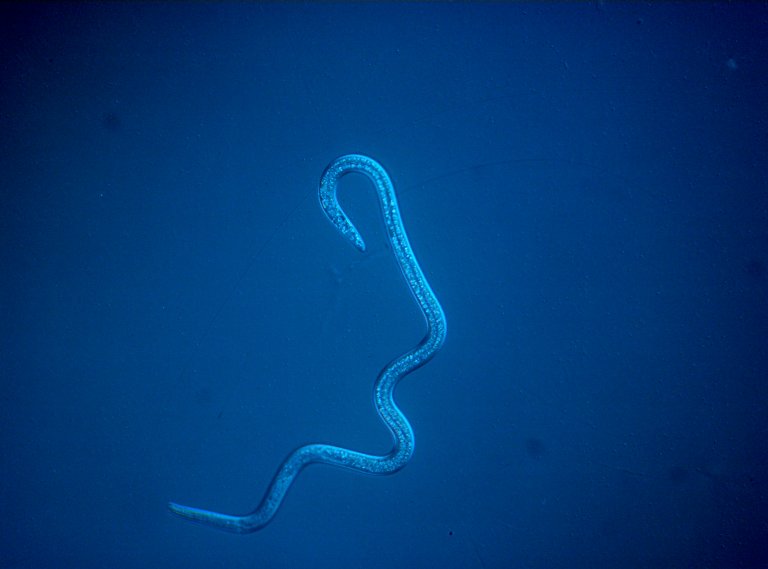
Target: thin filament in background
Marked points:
384	387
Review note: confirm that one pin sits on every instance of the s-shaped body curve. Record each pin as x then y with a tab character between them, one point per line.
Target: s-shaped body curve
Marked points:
384	387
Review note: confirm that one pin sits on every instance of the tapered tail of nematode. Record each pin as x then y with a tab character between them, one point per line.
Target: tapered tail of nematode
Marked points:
388	378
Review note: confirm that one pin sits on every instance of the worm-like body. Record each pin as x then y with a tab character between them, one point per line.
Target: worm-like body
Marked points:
389	377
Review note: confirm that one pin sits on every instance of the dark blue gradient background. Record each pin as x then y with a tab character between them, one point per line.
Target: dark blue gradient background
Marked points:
584	184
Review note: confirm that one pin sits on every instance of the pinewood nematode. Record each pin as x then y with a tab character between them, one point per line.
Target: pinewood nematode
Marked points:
384	387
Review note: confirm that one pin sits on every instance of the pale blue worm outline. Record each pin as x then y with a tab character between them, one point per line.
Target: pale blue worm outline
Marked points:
383	392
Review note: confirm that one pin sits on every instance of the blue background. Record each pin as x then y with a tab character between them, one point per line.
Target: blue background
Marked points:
584	185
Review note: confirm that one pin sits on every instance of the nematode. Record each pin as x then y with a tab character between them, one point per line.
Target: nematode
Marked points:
383	392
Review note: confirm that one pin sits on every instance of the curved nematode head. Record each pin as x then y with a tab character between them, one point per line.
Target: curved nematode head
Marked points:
329	183
390	375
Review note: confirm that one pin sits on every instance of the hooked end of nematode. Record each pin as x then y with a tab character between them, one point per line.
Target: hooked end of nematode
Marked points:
357	240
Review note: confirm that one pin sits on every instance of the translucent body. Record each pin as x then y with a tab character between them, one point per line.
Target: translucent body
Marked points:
383	393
